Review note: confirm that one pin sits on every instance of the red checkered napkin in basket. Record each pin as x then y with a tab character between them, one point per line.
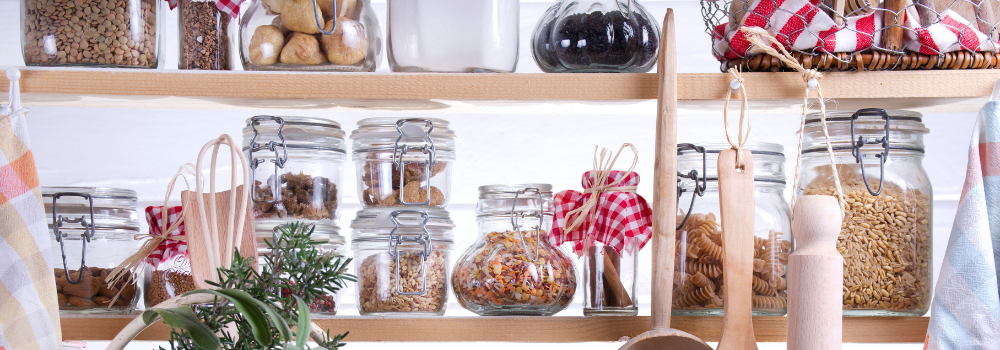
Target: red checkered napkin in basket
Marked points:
232	7
951	33
797	24
170	245
618	214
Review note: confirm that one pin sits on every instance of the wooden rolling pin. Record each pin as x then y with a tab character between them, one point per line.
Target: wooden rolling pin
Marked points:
815	276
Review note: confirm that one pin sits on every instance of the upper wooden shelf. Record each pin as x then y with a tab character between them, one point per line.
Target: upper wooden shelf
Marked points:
561	329
132	88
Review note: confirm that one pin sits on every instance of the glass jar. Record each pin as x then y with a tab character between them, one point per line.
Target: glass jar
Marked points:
403	162
328	241
306	155
284	35
95	231
453	35
204	35
167	279
596	36
421	242
102	33
512	269
698	272
610	276
888	220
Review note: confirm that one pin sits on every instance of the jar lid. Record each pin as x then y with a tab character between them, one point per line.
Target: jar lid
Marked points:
114	208
322	233
296	132
378	224
546	189
905	130
381	133
107	193
769	160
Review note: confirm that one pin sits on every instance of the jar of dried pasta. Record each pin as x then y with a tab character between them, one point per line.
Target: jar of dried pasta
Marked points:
886	234
512	269
698	272
404	163
296	167
401	261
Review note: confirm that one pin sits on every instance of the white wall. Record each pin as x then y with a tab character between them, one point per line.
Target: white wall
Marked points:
141	149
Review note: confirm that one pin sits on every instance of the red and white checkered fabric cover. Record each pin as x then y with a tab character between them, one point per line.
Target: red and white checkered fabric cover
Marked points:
952	33
169	247
620	216
858	34
795	23
232	7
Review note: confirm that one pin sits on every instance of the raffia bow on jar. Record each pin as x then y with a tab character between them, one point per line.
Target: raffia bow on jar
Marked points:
608	223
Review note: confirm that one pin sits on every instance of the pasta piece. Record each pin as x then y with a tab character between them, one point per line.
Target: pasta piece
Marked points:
708	247
699	279
768	303
697	297
761	287
712	271
758	265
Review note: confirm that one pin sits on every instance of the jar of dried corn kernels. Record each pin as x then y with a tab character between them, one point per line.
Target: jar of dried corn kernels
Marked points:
512	269
698	272
886	234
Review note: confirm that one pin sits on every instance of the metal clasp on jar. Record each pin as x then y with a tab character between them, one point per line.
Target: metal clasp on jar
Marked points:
862	141
88	232
278	160
398	152
699	190
424	239
516	216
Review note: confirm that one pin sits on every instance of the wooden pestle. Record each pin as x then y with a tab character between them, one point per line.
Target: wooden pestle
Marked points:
815	276
736	197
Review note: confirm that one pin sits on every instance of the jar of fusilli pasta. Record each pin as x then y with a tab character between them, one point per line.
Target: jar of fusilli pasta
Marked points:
698	272
886	234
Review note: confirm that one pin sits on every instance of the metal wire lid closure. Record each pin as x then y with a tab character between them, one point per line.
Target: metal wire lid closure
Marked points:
607	211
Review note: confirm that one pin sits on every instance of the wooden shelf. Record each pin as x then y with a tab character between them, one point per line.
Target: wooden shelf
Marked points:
529	329
133	88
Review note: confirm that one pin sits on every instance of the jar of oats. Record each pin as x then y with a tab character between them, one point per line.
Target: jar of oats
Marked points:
401	261
102	33
886	234
698	272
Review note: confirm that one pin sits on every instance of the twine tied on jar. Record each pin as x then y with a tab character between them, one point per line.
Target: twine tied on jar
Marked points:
756	36
602	170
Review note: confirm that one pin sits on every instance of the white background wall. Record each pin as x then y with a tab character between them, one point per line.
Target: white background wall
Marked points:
142	148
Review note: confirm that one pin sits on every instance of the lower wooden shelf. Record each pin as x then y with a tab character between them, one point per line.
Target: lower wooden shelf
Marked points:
527	329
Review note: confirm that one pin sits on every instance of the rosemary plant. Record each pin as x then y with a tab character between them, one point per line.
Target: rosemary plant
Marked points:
253	309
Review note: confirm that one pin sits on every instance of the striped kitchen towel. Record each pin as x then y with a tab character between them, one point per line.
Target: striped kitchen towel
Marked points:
965	314
29	316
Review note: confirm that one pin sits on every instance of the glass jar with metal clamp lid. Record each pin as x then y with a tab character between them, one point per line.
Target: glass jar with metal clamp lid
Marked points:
401	261
404	162
886	235
296	166
698	272
94	230
327	240
512	269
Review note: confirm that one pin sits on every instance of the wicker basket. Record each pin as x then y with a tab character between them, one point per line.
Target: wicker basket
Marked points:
899	42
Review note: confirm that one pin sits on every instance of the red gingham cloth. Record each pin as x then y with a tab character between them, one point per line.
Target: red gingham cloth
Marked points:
232	7
952	33
169	247
620	215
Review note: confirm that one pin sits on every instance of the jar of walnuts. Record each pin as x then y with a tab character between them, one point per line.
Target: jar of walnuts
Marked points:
94	231
310	35
401	261
296	166
698	272
403	162
886	234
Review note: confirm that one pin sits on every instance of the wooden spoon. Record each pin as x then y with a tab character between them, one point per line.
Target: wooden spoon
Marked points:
736	194
664	207
815	276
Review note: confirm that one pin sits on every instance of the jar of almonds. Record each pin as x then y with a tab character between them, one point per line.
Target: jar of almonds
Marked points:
103	33
310	35
404	162
698	272
512	269
94	231
886	235
401	261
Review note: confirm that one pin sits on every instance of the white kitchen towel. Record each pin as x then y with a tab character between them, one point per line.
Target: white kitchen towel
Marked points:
965	314
29	314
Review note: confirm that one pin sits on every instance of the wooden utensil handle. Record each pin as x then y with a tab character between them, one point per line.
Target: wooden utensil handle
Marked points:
736	196
665	178
892	37
815	276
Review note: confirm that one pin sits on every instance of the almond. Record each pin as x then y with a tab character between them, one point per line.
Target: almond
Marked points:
78	301
62	299
87	288
102	301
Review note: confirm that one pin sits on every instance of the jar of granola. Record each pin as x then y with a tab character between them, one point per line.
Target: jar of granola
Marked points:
401	261
94	231
327	240
296	167
512	269
698	272
403	162
886	234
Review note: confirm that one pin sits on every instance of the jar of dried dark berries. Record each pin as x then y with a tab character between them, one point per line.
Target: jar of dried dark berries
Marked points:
204	35
296	167
596	36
